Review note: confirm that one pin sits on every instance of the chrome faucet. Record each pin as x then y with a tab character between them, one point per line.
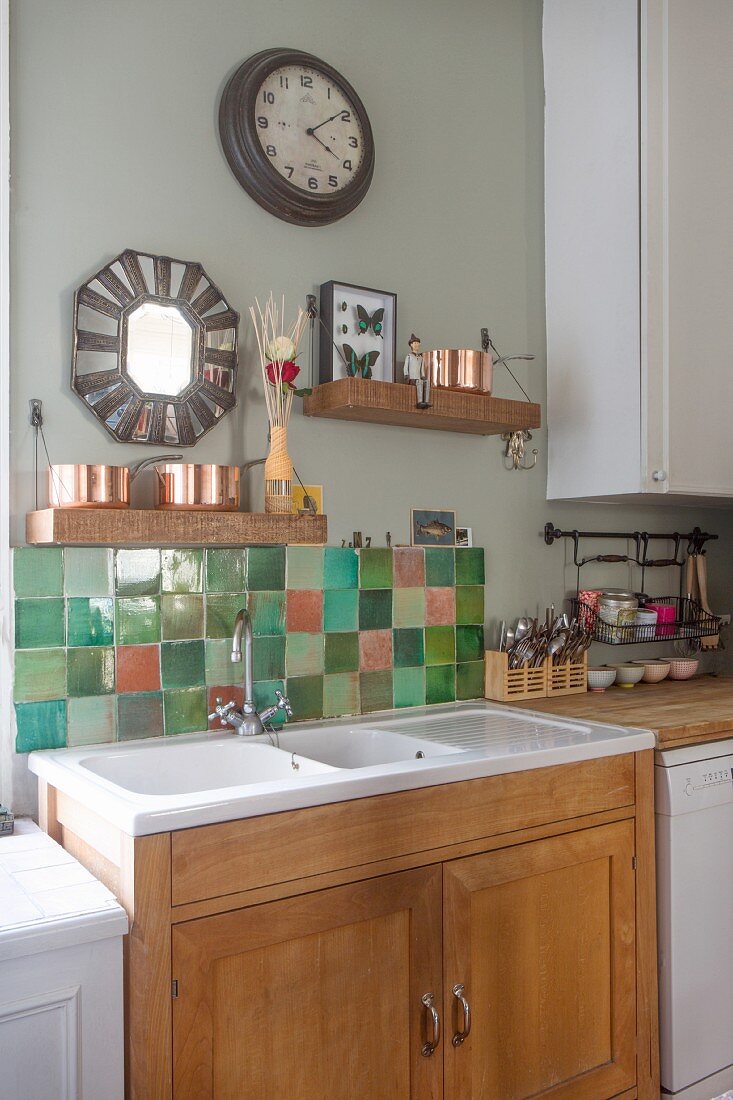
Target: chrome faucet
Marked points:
247	721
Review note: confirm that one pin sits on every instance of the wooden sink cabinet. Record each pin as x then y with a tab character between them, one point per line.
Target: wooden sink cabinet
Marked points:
310	953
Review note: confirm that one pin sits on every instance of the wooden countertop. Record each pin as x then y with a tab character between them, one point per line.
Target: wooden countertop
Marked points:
680	712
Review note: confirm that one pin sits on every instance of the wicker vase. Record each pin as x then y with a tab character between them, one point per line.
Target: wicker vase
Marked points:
278	473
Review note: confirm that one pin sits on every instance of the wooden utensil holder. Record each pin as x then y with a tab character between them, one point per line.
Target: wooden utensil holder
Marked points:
512	685
569	678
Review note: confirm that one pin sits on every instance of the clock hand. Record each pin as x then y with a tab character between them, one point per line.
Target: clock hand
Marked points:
309	131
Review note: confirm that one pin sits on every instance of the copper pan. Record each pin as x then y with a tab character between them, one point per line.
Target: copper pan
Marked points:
74	485
191	486
460	369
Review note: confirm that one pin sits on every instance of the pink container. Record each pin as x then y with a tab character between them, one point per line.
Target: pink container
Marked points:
666	614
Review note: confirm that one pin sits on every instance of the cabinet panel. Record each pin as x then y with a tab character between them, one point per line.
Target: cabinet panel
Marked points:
542	937
318	995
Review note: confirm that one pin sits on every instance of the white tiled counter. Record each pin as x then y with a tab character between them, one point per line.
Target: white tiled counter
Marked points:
61	1006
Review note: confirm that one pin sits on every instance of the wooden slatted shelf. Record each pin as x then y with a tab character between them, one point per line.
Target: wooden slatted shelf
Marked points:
375	402
147	527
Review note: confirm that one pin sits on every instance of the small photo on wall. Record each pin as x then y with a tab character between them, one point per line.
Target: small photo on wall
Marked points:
315	499
464	536
433	527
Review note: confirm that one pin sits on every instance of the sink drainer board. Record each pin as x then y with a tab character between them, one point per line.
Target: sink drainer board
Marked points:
477	729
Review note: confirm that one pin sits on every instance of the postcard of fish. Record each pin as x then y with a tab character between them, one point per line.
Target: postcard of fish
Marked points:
433	528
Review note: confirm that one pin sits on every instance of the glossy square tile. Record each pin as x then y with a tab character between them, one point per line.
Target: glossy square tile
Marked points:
182	570
409	687
470	680
225	570
408	646
89	571
268	658
138	668
440	645
409	607
223	693
138	620
37	571
91	720
305	566
265	568
90	671
342	652
140	716
376	691
39	623
40	725
469	643
304	611
440	566
409	567
440	684
182	617
375	609
341	694
304	654
221	611
138	572
470	565
340	609
470	604
375	568
375	650
263	694
182	664
268	612
40	674
90	620
220	669
440	606
306	697
340	567
185	711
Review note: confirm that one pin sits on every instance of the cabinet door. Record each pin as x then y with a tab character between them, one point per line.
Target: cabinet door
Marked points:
316	995
542	938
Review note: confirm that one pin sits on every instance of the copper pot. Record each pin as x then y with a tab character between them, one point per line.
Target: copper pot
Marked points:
191	486
460	369
74	485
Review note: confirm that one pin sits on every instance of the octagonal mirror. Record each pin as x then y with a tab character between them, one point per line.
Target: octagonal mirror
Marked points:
155	349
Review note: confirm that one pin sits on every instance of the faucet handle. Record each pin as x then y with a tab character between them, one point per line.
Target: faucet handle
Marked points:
222	711
283	703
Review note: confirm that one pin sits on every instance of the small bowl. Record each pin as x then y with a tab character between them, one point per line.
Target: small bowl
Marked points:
683	668
628	675
654	671
600	678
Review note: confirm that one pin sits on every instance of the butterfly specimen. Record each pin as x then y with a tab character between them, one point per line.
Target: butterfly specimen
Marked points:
366	322
355	365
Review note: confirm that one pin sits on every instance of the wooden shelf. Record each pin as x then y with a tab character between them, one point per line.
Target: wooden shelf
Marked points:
138	527
375	402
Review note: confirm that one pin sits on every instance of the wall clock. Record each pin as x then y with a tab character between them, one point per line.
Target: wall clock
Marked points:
297	137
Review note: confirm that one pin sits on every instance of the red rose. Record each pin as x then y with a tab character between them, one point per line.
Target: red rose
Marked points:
290	372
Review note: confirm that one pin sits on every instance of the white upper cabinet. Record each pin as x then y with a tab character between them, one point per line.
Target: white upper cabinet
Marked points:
639	247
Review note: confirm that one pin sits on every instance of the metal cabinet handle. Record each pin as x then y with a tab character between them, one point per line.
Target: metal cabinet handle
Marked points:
459	992
428	1048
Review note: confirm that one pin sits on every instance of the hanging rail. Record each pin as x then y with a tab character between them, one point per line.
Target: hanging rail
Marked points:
695	541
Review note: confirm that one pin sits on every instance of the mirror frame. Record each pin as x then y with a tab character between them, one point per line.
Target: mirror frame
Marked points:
107	391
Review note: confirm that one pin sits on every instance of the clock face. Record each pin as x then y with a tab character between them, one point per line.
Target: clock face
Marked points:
309	129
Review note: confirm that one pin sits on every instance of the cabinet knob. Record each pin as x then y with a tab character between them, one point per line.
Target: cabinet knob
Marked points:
659	475
434	1022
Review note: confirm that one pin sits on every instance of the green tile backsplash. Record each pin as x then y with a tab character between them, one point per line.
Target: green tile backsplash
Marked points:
119	644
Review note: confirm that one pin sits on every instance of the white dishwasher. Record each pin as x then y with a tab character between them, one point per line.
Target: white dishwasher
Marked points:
694	819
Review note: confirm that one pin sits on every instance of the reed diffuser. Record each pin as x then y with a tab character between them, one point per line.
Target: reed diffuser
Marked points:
278	349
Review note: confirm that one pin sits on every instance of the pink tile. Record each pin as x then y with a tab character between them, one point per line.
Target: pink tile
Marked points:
305	611
375	650
440	606
409	567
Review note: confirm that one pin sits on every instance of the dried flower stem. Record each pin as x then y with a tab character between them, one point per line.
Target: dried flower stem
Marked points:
269	329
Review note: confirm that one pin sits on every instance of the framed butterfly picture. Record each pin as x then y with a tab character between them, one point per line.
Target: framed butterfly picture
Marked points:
358	333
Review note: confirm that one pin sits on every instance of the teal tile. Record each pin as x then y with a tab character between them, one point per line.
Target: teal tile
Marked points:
340	567
376	690
138	620
91	720
342	652
409	607
268	612
341	694
306	697
440	684
138	572
185	711
37	571
140	715
225	570
220	669
375	568
182	664
39	623
265	568
470	680
470	565
408	646
440	645
268	658
40	725
304	654
40	674
90	620
340	609
470	604
221	612
90	671
89	571
375	609
305	567
182	570
440	567
409	687
182	616
263	693
469	643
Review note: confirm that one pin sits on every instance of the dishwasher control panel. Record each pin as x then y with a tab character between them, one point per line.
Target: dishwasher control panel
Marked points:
693	785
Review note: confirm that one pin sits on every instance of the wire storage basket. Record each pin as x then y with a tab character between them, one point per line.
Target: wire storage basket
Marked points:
690	621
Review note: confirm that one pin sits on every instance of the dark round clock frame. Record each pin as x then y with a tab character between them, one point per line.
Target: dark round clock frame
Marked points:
251	165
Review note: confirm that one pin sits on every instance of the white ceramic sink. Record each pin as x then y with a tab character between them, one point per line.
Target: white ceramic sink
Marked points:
359	748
